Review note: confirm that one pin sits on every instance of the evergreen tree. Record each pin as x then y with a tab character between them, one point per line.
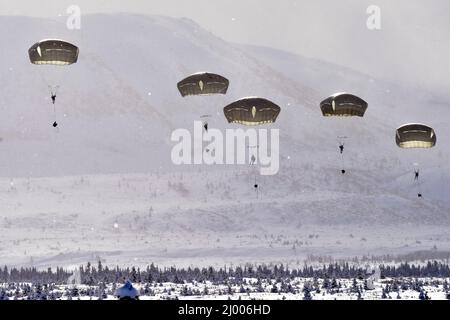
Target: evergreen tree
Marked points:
354	287
334	284
3	295
259	287
445	286
326	283
306	292
423	295
383	294
316	285
230	290
359	295
274	289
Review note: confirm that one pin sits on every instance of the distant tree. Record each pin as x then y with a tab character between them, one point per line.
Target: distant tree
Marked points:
395	287
334	284
445	286
68	294
354	287
74	292
274	289
306	292
316	285
383	294
423	295
184	291
230	290
37	292
326	283
3	295
359	295
259	287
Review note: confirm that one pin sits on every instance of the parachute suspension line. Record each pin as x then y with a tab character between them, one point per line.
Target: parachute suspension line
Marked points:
255	180
55	123
255	169
341	151
417	182
419	192
53	92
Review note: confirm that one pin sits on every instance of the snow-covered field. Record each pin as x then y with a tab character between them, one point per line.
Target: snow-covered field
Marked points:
251	290
172	219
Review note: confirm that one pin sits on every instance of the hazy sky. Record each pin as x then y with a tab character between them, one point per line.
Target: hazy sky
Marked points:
412	45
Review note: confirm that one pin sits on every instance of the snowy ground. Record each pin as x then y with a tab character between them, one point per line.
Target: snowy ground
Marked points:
198	219
250	291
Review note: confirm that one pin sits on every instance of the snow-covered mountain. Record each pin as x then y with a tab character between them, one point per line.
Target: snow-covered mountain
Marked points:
109	162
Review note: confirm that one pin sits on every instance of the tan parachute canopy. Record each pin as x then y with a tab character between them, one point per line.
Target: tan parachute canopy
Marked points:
415	135
343	105
203	83
252	111
53	52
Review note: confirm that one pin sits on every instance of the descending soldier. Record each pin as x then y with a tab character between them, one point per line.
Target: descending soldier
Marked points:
416	174
340	105
54	53
415	136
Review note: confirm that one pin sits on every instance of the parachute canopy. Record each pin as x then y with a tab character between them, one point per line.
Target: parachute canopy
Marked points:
343	105
53	52
415	135
203	83
252	111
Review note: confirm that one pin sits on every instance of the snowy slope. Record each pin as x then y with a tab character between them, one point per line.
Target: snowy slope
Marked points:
63	191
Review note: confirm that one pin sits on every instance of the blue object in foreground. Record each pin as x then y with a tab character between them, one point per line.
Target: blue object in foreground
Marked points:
127	292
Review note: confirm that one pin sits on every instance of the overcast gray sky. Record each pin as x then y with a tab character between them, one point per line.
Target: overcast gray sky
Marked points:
412	45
